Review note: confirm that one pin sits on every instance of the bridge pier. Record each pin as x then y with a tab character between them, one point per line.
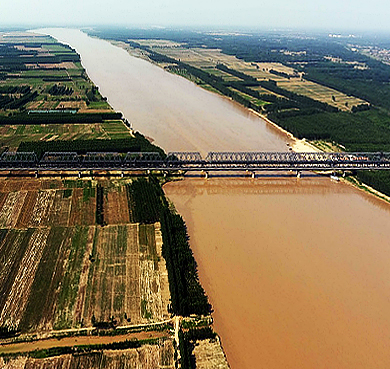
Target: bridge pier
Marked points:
251	173
334	176
298	174
79	175
36	174
122	174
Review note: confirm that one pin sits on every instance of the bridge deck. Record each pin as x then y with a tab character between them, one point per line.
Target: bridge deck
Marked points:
193	161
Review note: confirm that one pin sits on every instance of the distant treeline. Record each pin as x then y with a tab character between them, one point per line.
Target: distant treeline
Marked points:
14	89
362	131
60	90
12	102
378	179
150	205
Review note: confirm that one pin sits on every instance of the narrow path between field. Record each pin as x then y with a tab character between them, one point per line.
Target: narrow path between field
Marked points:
76	341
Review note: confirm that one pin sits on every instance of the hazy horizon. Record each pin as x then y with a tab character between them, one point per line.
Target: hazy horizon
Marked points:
330	15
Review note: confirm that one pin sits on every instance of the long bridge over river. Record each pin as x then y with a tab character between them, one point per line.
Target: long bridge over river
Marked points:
193	161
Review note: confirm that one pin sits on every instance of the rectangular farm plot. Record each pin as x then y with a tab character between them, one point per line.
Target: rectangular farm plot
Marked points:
147	357
113	283
75	245
13	247
60	210
43	301
321	93
27	209
154	288
17	296
11	209
83	206
116	209
42	207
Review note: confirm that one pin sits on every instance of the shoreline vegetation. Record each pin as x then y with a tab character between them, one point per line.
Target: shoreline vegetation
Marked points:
376	184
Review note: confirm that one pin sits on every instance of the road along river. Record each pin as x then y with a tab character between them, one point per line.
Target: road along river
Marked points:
297	270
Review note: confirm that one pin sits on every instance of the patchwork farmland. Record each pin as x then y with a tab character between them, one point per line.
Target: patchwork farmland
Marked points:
61	270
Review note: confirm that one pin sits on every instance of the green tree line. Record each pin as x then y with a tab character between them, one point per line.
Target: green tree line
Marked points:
149	205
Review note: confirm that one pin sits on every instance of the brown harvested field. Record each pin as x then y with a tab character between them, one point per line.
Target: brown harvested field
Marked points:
59	269
146	357
190	56
84	340
60	210
27	209
66	65
81	105
82	208
116	206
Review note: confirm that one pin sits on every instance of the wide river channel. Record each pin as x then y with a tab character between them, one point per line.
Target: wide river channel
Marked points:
297	270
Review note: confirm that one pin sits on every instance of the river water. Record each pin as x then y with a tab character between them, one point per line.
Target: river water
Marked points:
297	270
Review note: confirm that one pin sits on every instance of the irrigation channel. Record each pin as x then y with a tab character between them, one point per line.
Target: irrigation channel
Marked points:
297	270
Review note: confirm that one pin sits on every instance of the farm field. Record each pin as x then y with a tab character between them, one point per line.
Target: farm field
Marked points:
147	356
285	77
46	95
13	135
60	269
51	70
321	93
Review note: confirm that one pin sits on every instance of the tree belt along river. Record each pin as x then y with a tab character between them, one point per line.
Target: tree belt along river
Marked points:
297	270
193	161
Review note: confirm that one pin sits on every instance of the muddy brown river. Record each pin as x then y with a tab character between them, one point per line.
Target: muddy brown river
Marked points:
297	270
